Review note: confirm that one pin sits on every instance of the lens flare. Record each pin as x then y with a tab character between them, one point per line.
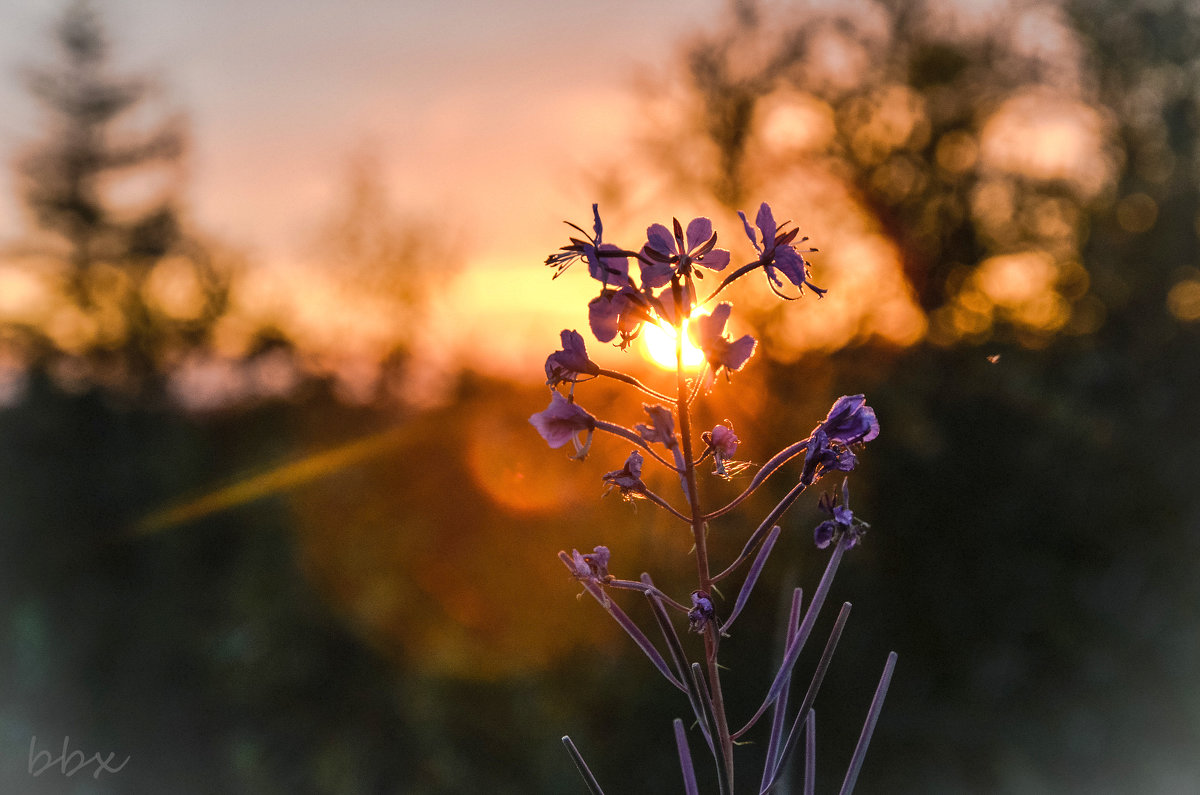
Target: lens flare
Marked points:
659	346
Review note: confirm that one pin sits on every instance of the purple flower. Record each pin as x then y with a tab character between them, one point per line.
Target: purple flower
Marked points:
629	478
702	611
723	443
679	251
592	566
723	440
844	526
562	422
719	351
571	362
851	421
661	428
777	252
606	263
616	312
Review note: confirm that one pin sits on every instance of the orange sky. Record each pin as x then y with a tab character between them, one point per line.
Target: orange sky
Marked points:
484	117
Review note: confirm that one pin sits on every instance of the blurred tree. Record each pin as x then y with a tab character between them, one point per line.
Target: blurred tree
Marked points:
377	267
134	289
940	140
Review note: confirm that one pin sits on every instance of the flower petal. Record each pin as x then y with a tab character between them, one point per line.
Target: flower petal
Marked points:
698	233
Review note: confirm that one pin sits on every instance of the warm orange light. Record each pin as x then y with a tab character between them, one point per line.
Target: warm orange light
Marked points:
659	345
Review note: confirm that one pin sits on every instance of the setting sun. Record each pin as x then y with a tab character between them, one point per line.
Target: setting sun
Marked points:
659	345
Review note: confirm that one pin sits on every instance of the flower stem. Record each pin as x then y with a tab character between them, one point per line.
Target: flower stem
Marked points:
711	640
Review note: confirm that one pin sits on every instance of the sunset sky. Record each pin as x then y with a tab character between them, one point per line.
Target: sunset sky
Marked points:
490	124
484	117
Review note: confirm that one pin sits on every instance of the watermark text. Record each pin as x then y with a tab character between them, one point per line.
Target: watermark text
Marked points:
70	762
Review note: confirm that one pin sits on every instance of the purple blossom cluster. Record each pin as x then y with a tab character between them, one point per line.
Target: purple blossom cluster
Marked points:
663	290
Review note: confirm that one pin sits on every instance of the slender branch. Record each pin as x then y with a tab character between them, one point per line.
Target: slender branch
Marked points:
584	771
758	535
752	578
660	502
811	695
628	379
706	699
649	590
730	279
764	472
797	643
864	739
680	659
690	787
592	586
779	712
630	436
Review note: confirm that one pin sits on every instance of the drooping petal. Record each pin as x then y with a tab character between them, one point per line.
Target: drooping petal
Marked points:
661	428
738	353
629	478
709	328
571	362
609	270
561	420
604	312
851	421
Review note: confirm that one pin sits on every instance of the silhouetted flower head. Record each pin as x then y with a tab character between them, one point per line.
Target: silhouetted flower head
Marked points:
679	251
629	478
568	364
777	253
844	526
562	421
708	332
702	611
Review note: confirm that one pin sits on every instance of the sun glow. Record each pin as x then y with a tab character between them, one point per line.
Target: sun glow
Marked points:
659	345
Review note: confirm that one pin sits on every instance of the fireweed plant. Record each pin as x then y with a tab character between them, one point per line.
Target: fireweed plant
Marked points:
663	291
